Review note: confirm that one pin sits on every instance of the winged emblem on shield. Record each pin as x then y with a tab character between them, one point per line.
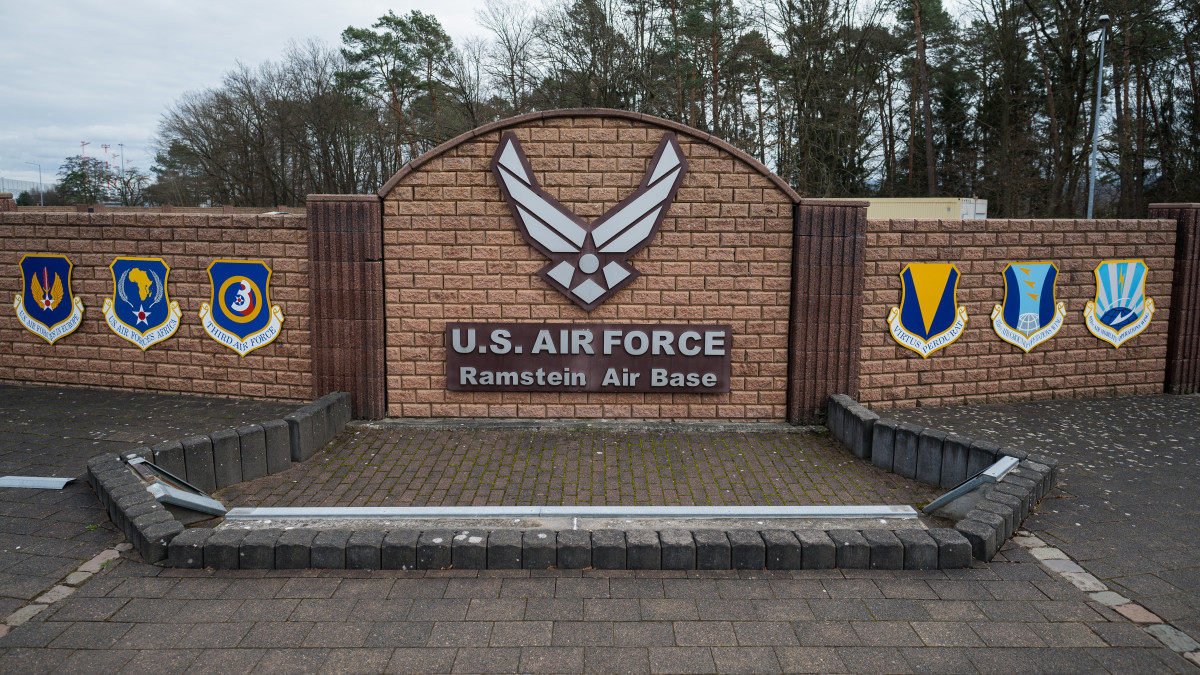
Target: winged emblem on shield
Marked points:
588	261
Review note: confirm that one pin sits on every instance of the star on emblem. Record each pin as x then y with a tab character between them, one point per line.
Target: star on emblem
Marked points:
142	314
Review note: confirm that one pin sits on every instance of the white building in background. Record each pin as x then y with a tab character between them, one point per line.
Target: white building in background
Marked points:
945	208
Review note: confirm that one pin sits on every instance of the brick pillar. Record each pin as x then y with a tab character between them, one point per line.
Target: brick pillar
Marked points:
1183	333
7	203
345	273
826	316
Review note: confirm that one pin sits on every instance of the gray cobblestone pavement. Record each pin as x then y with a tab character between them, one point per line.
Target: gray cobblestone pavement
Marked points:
48	431
463	467
1011	615
1127	507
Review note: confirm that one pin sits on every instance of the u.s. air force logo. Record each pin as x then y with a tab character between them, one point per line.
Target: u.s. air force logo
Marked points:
46	305
1030	314
1121	309
140	310
241	316
588	260
928	317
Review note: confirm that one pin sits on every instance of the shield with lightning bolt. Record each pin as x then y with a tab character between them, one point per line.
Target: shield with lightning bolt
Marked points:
1031	313
1121	309
588	261
140	310
46	305
241	316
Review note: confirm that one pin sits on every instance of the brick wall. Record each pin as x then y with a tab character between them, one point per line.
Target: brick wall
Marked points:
980	367
452	253
188	362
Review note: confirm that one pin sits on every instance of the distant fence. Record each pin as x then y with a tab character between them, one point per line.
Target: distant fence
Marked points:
16	187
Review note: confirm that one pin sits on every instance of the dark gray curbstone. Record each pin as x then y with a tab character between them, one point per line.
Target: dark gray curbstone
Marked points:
1010	451
1005	512
887	553
329	549
186	550
257	551
538	549
930	446
883	443
504	550
836	416
252	446
747	550
399	551
643	551
678	550
982	537
364	550
222	551
853	551
227	457
277	434
904	461
1040	470
169	456
955	450
1046	461
198	459
1010	503
981	455
320	424
920	549
712	550
469	550
1018	493
293	549
817	550
953	549
157	539
860	443
574	549
995	521
341	411
608	549
433	550
300	431
782	550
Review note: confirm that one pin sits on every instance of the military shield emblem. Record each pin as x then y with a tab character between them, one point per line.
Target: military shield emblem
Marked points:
1121	309
1030	314
46	305
928	317
140	310
241	316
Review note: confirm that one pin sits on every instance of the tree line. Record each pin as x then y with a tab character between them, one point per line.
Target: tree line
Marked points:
842	98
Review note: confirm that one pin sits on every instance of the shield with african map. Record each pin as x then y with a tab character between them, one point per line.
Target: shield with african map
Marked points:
140	310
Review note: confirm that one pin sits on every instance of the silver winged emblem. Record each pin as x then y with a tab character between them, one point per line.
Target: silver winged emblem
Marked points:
588	261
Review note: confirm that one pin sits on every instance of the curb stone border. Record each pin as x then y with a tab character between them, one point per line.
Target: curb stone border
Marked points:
162	539
209	461
943	459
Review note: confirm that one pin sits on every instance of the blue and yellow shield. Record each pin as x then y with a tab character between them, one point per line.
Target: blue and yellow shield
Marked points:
928	317
1031	313
46	305
140	310
1121	309
241	316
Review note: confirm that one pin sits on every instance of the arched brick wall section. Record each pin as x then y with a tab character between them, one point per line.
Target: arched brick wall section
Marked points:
453	253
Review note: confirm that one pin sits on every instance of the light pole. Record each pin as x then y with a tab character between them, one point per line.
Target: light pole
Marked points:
41	190
1096	115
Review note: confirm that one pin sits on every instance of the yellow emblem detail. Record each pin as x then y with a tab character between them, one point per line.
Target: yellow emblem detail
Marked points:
929	281
142	280
56	291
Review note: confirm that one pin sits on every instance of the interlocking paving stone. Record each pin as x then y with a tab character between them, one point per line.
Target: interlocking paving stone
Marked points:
467	467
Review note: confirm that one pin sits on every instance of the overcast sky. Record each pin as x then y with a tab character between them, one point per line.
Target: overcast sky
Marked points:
105	72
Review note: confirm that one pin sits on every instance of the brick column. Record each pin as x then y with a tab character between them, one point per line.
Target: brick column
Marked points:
1183	336
7	203
345	272
826	314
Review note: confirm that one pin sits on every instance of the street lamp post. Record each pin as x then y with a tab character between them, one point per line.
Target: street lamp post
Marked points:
41	189
1096	116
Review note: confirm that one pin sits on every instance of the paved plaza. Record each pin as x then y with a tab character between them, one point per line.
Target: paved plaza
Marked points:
1008	616
399	466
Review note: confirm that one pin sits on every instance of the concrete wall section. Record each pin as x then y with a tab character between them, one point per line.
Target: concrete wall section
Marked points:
189	361
452	252
981	368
